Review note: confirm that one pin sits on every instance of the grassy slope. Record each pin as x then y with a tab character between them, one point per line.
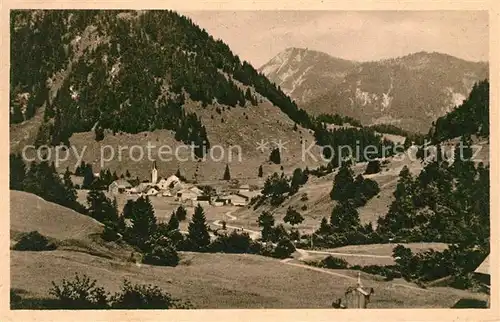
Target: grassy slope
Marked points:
320	205
220	281
208	280
69	229
242	126
265	122
164	206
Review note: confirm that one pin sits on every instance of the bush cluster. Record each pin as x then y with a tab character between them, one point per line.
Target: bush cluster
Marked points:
84	293
34	241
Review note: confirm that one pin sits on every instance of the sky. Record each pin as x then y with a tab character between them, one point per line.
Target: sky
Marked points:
257	36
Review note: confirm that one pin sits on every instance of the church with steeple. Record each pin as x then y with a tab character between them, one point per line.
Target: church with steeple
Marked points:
154	174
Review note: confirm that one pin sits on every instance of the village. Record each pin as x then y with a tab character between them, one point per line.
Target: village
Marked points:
166	193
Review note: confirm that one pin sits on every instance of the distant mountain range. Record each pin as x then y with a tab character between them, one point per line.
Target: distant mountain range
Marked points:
410	91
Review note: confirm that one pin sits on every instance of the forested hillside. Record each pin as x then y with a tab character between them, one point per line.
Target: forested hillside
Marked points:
127	71
409	91
470	118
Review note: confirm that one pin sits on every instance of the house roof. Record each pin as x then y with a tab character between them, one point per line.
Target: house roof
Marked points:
484	268
122	182
143	186
173	178
188	191
196	190
237	195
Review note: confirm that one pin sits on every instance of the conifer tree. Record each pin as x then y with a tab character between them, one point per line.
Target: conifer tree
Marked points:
102	208
173	223
344	217
275	156
227	174
70	188
88	177
17	172
17	115
261	173
266	221
143	222
342	189
293	217
198	230
324	227
181	213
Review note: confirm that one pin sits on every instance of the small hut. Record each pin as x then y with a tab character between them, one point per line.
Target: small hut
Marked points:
356	297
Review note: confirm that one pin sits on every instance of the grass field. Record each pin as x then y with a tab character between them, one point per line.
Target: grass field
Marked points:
207	280
386	249
68	229
221	281
373	254
164	206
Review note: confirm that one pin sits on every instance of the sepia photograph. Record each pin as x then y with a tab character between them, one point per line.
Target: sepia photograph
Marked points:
278	159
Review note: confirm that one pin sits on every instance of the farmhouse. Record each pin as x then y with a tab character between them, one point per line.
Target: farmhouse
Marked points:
196	190
237	199
187	195
220	201
119	186
153	191
249	194
244	188
172	181
203	201
143	187
166	193
168	183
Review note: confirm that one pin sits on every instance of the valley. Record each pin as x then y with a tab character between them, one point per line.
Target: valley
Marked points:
143	148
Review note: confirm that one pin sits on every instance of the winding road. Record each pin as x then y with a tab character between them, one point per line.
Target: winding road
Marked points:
303	253
306	253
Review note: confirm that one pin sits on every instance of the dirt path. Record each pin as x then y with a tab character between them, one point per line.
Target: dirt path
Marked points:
304	253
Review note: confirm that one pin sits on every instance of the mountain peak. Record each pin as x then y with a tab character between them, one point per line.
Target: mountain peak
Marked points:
410	90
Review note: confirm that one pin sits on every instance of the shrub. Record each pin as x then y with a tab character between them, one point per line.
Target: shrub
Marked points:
279	233
373	167
304	197
263	249
81	293
275	156
181	213
293	217
34	241
235	242
163	255
390	272
294	234
145	297
15	298
109	234
284	249
333	262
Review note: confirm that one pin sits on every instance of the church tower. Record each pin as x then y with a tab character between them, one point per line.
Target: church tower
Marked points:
154	173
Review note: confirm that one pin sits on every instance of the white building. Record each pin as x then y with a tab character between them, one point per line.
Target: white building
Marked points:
152	191
168	183
119	186
154	173
237	199
186	195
